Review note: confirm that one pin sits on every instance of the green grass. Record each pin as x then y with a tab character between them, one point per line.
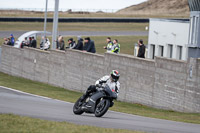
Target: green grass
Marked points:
38	88
24	26
13	123
74	15
70	96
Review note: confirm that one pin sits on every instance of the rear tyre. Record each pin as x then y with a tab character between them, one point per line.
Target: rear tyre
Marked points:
77	107
102	107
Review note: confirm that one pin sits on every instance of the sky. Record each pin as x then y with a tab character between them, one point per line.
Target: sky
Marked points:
73	4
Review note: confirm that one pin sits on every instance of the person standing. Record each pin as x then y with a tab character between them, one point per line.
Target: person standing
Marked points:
45	43
24	42
116	47
33	42
29	41
12	39
109	45
5	41
60	43
71	43
9	42
141	50
89	45
79	45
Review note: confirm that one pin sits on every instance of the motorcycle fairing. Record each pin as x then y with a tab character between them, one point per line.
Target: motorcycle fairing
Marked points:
92	102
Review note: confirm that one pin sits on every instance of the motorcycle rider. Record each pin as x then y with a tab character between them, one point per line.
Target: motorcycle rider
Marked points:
110	80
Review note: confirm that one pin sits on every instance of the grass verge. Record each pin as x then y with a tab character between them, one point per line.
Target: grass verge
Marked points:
24	26
70	96
12	123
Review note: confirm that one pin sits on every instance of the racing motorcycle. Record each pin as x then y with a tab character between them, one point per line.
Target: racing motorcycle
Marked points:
96	103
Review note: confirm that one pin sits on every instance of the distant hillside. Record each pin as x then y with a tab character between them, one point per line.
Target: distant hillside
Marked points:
159	7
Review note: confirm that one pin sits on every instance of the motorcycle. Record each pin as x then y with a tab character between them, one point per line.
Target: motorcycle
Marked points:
96	103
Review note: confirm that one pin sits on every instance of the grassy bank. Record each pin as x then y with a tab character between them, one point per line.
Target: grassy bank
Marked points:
18	13
13	123
70	96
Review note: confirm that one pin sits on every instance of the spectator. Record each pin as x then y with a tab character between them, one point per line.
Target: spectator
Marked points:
5	41
29	42
141	50
71	43
116	47
33	42
109	44
12	39
89	45
79	45
9	42
57	42
45	43
24	42
60	43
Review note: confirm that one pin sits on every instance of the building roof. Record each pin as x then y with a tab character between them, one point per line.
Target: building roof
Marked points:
194	5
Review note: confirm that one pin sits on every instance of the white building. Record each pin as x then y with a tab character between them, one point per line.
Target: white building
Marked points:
194	37
168	38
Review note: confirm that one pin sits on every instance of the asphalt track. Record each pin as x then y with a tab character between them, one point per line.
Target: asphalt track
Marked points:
83	33
20	103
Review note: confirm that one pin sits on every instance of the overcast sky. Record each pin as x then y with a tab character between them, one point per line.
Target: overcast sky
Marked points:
70	4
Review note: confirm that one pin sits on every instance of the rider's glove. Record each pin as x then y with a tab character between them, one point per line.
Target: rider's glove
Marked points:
98	85
116	89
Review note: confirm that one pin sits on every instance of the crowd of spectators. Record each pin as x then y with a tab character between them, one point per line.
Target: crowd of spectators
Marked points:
112	46
29	42
86	45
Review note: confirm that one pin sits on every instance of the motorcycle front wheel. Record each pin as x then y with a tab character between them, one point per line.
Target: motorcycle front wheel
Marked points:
77	107
102	107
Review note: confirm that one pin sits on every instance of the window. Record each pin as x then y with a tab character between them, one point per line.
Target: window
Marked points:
197	29
161	51
152	52
170	51
179	53
194	30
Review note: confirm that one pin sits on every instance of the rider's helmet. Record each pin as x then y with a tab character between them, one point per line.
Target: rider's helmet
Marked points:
115	75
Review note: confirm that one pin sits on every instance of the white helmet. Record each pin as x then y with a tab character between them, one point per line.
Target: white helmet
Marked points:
115	75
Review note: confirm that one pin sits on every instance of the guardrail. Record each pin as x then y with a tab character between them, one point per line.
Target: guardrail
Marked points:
125	20
114	20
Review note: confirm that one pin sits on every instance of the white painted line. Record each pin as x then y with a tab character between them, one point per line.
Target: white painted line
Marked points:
33	94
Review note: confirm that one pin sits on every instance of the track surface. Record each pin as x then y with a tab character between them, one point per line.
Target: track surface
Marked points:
20	103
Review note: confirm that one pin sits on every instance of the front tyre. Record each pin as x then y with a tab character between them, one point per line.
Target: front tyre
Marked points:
77	107
102	107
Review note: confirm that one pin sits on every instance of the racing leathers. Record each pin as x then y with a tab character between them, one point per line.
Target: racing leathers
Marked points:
106	80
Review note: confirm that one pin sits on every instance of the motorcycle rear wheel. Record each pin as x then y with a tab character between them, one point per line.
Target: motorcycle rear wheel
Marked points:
102	107
77	107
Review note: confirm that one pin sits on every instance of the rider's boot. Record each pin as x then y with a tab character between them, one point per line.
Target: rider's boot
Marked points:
84	96
90	89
